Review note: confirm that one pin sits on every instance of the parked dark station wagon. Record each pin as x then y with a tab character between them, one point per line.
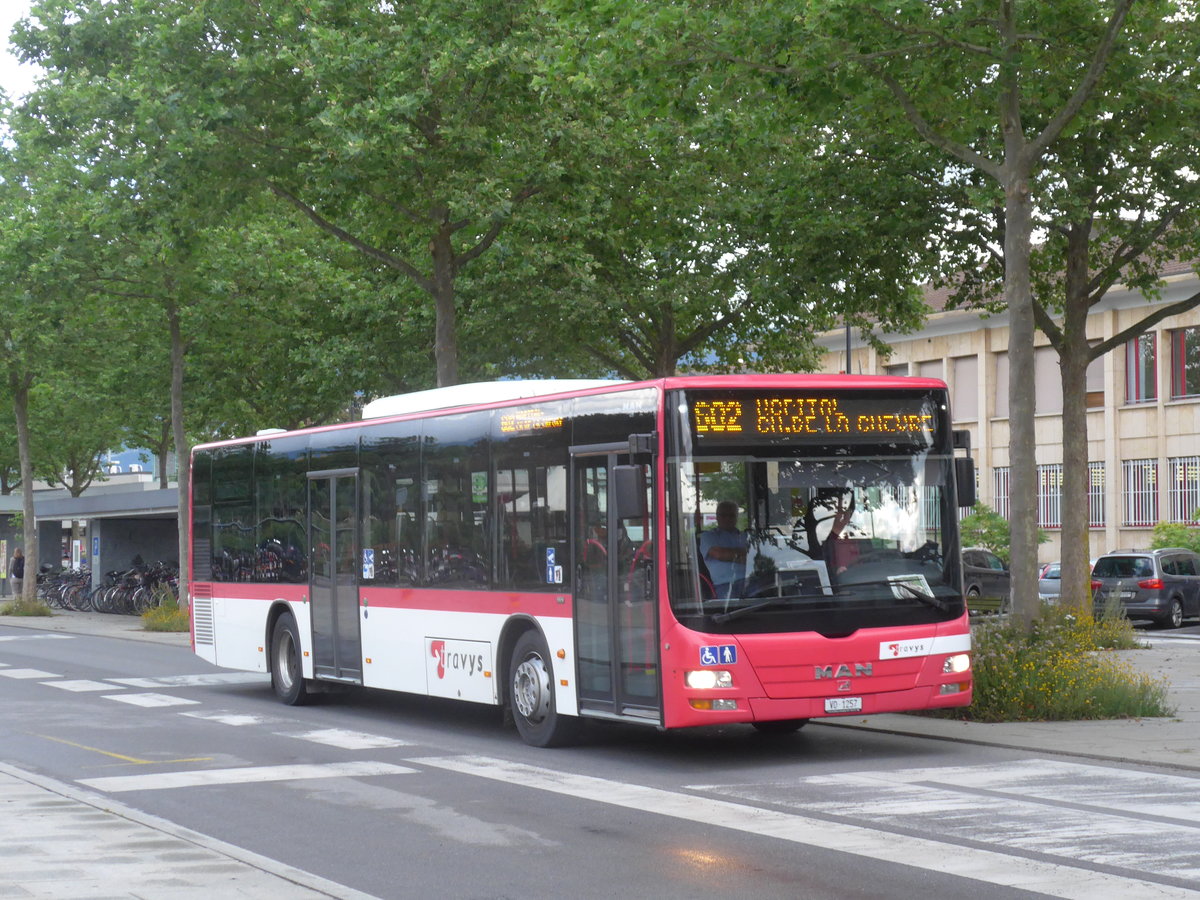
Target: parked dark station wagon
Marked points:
1161	585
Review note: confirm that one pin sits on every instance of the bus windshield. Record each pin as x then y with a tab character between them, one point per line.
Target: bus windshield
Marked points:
813	534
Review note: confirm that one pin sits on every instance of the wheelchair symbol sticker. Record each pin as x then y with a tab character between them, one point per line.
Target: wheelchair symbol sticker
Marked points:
719	655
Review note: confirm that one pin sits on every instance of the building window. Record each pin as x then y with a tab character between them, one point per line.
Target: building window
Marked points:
1047	381
931	368
1000	482
897	369
1184	488
1141	491
964	388
1185	363
1096	517
1000	386
1095	383
1141	369
1049	495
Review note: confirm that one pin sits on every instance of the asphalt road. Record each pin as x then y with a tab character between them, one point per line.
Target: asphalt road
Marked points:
401	797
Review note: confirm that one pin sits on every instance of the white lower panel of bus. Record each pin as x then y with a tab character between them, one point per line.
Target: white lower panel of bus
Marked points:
404	649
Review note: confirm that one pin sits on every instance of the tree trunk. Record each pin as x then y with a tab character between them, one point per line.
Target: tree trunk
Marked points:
182	451
20	396
1021	446
1073	360
445	342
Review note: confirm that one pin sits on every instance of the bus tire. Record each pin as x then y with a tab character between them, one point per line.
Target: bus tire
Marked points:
287	678
531	695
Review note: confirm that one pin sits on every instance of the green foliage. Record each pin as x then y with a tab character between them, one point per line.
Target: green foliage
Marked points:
985	527
168	616
1175	534
1061	670
25	608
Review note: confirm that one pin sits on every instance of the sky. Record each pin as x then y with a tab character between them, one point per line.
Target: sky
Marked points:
15	78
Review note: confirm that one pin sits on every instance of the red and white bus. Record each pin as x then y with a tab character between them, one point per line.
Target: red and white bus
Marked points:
553	548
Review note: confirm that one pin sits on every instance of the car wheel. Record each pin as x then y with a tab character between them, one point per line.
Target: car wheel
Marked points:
1173	619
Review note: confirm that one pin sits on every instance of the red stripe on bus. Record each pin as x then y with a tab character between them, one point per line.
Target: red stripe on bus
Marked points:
506	603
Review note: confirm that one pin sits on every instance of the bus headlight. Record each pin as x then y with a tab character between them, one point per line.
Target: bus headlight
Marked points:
707	679
959	662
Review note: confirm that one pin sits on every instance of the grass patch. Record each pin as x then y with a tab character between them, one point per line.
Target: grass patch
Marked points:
25	608
1060	672
169	616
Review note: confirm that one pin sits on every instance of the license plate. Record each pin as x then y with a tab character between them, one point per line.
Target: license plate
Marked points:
843	704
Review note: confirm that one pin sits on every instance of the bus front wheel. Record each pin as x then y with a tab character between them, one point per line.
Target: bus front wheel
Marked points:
531	695
287	676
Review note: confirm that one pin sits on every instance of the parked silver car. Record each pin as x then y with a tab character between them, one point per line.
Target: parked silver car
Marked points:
1050	582
1161	585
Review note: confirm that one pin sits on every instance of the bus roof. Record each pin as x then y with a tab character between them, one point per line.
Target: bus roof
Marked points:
487	393
476	393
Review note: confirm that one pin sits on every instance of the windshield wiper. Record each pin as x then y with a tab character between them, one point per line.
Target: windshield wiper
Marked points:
916	593
722	618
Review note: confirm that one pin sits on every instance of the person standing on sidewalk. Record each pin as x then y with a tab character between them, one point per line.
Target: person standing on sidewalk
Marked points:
16	571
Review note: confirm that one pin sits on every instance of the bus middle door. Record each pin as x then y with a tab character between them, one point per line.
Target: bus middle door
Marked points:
614	590
333	578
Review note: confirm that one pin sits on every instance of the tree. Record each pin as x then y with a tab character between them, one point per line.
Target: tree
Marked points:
1116	199
416	133
994	87
37	270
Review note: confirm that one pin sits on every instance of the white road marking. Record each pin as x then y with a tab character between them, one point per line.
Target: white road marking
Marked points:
173	681
80	684
34	637
245	775
227	718
27	673
1059	811
150	700
991	866
346	740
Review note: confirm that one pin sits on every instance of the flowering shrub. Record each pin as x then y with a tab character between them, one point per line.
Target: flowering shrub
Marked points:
169	616
1059	671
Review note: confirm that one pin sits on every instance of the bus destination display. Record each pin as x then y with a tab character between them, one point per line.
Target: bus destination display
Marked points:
771	416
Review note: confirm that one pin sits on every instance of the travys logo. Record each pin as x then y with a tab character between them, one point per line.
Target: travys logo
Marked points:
901	649
468	663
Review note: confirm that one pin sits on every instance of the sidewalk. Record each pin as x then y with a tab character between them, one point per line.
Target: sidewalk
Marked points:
60	841
41	819
1173	742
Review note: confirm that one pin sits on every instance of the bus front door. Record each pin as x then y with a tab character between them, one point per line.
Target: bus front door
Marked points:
333	584
614	593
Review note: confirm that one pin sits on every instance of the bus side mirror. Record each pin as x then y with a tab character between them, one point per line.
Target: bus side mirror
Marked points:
964	477
629	491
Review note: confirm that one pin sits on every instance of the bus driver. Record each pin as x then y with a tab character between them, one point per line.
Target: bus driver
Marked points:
724	549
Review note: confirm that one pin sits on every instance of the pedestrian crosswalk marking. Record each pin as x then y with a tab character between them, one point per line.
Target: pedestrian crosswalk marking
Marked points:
1050	877
243	775
27	673
227	718
150	700
203	680
79	684
346	740
34	637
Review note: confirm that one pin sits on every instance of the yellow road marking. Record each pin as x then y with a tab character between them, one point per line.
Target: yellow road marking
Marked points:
128	759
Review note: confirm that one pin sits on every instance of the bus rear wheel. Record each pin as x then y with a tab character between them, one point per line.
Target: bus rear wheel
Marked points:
531	695
287	676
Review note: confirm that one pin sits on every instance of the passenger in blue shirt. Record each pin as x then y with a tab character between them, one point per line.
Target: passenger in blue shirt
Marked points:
724	549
